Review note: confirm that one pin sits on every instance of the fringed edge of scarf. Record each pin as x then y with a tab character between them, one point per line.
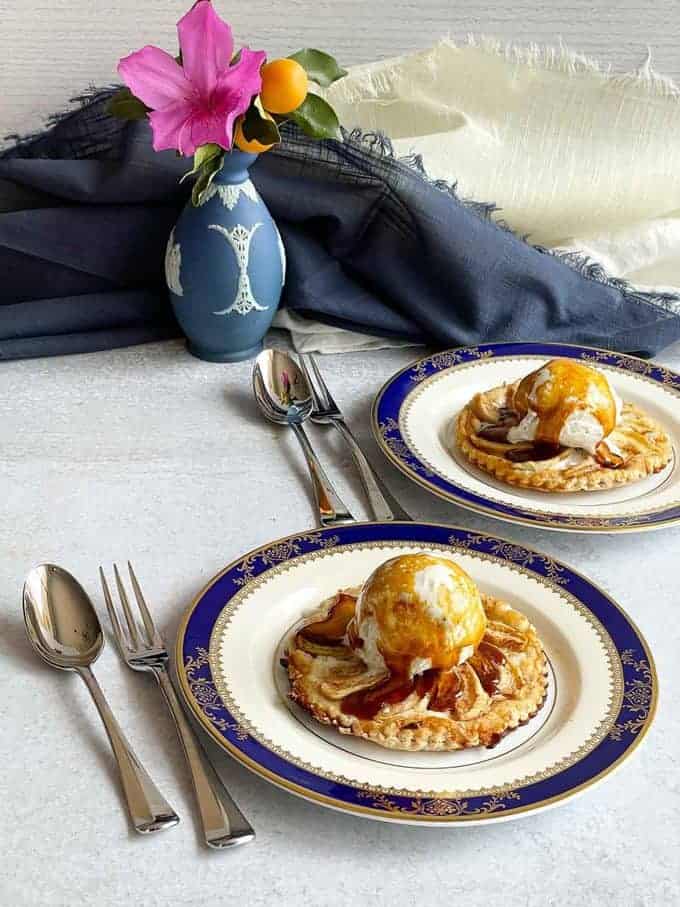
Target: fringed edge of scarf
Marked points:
563	59
560	59
380	145
109	128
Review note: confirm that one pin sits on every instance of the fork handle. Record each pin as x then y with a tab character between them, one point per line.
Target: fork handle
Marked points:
332	510
149	810
224	825
383	504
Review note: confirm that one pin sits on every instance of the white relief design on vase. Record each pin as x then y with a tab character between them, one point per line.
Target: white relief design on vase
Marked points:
239	238
173	264
230	194
282	253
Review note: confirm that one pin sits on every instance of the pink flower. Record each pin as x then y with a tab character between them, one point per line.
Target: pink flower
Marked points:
197	102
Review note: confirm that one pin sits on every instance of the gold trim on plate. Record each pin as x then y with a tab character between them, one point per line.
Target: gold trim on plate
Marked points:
512	557
422	809
394	448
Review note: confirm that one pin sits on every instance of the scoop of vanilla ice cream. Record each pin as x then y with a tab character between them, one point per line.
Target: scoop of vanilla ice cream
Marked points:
417	612
525	430
583	430
581	406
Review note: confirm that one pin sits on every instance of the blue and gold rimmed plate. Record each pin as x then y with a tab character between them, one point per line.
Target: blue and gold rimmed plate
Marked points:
601	698
414	414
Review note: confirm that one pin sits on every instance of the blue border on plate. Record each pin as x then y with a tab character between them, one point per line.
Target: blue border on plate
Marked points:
395	393
632	721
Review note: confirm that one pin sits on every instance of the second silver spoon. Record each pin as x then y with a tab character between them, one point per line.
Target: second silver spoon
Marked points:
283	395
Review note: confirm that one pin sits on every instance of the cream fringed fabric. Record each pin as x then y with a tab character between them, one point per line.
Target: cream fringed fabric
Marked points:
575	157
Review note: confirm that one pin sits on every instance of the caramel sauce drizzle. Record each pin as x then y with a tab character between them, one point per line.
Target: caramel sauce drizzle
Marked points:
367	703
569	387
444	687
581	384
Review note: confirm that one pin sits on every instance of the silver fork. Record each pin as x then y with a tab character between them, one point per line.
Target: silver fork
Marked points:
327	412
143	649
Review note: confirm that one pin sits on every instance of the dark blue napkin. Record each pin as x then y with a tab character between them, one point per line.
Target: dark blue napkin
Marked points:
372	245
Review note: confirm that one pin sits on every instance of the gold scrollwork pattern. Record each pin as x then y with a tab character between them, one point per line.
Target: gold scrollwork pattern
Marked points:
637	697
603	522
437	806
642	367
447	359
507	551
399	448
279	553
204	692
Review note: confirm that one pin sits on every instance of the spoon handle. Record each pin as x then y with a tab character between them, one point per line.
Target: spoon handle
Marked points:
332	510
149	810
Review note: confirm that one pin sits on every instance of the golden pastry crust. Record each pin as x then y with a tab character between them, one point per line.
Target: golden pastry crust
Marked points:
319	683
645	446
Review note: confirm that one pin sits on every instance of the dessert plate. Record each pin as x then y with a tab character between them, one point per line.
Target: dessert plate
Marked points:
601	699
414	412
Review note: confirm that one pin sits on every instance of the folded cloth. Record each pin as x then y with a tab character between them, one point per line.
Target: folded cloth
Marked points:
373	247
310	336
579	158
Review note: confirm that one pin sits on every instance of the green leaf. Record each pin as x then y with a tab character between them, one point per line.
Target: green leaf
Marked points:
205	152
259	126
316	118
206	174
124	105
320	67
202	156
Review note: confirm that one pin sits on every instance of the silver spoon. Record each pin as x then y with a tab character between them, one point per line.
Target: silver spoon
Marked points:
283	395
64	630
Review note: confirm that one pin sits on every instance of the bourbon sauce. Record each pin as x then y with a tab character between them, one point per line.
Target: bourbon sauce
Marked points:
571	386
531	450
367	703
444	686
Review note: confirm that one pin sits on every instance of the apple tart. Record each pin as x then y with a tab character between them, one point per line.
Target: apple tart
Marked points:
418	659
562	428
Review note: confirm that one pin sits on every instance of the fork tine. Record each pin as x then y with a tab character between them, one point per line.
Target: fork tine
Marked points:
132	626
316	398
121	638
330	402
149	625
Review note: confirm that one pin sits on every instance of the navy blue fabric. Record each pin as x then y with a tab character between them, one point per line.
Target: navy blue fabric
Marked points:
372	245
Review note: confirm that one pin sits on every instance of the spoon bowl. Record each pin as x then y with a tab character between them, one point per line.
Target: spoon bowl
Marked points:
281	389
61	622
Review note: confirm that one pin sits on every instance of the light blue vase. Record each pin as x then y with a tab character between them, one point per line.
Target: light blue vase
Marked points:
225	266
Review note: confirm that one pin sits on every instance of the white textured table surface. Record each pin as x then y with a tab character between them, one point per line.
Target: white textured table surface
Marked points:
151	455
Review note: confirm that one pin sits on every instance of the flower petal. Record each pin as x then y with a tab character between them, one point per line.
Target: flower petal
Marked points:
237	85
206	128
229	125
235	89
245	72
167	126
154	77
207	45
